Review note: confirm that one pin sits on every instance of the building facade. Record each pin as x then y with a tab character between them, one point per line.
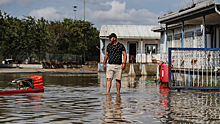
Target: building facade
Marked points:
197	26
142	45
193	34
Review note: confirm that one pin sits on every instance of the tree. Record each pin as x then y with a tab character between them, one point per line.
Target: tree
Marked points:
39	36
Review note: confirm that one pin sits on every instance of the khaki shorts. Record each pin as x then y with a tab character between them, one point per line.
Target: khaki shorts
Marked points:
114	69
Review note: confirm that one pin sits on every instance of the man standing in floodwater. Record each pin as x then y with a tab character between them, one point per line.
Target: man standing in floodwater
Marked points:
115	66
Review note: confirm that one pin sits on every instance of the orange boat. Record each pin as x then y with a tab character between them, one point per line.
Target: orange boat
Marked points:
23	91
31	84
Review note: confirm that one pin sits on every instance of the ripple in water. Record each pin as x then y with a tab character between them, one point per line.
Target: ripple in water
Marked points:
72	98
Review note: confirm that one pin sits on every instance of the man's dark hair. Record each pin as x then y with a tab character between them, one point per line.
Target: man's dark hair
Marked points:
112	35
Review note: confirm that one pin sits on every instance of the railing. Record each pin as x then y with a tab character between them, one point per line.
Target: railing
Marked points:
194	68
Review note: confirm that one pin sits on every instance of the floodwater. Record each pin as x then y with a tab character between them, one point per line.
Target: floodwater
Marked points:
80	98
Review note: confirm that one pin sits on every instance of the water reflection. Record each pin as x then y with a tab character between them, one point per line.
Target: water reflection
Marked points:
37	103
195	107
73	98
113	111
164	101
189	106
17	107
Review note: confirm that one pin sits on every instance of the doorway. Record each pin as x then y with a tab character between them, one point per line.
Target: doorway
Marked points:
132	52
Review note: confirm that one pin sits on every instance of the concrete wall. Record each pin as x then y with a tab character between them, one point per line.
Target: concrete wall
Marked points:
150	68
37	66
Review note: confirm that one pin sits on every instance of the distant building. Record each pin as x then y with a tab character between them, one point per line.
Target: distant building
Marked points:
142	45
197	26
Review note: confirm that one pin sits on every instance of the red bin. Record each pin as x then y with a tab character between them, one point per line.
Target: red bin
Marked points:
160	71
164	73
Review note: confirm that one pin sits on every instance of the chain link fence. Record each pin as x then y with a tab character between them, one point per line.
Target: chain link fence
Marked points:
49	60
94	58
21	58
93	61
62	61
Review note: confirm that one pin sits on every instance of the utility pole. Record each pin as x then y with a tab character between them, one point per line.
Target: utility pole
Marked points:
84	9
84	35
75	9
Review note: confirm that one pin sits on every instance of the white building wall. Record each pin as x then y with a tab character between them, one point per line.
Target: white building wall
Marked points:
194	41
139	57
102	51
194	29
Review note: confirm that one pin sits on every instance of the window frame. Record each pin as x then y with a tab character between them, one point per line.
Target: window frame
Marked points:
146	47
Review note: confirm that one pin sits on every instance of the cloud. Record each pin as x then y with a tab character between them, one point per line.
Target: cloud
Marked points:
138	2
102	7
20	2
50	13
118	15
25	2
87	1
93	1
109	13
6	2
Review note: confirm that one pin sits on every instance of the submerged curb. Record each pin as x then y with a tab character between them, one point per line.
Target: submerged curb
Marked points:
46	71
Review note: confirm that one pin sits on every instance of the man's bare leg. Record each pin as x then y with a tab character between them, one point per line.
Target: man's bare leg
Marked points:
108	84
118	86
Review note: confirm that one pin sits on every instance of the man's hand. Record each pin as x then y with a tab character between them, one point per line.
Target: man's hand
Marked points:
104	67
123	66
125	59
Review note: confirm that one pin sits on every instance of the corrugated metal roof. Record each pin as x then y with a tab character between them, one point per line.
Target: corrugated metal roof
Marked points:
130	31
188	12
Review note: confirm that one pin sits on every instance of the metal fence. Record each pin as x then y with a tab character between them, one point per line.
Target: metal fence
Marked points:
23	58
62	61
194	68
94	58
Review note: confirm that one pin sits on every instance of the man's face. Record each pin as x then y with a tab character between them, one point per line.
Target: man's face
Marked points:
112	39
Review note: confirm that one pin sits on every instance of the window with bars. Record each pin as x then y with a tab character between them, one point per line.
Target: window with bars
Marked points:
169	42
151	48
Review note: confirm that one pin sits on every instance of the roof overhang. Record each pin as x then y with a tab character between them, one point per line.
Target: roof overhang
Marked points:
132	37
129	31
194	15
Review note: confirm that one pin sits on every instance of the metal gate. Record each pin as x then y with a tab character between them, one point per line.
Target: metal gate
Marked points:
194	68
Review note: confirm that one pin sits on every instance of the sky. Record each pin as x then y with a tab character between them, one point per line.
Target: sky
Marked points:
99	12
